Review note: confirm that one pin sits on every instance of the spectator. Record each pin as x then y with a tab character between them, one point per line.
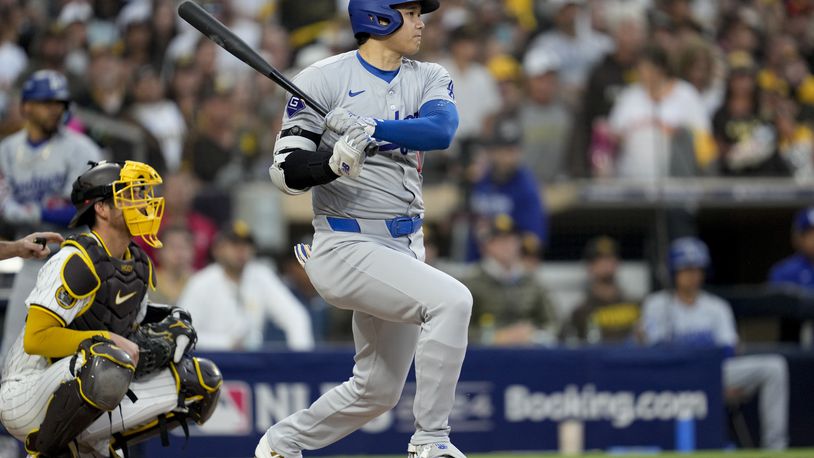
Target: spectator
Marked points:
510	305
180	190
13	59
575	44
174	265
661	123
795	141
798	269
210	150
688	315
507	186
37	167
105	97
159	115
73	18
699	66
605	82
746	142
231	300
545	119
476	92
606	315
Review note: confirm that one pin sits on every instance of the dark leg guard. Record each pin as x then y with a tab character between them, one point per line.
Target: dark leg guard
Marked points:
99	387
67	416
200	381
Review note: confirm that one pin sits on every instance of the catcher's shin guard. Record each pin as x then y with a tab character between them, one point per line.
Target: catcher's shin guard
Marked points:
100	384
199	380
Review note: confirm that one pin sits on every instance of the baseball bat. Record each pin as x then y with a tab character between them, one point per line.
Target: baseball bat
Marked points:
213	29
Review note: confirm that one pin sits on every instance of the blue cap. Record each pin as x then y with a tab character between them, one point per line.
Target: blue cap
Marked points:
377	17
688	253
45	86
804	220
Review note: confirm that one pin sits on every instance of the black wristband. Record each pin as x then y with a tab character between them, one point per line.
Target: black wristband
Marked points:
304	169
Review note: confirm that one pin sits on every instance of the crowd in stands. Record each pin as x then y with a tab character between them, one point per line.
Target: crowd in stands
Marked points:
547	92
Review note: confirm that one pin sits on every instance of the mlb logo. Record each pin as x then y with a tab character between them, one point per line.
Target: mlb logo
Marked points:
233	416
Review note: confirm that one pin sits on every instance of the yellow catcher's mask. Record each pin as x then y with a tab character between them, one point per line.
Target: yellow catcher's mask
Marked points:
134	195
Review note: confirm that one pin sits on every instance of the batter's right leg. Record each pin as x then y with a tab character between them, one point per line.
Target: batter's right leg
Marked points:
383	357
395	286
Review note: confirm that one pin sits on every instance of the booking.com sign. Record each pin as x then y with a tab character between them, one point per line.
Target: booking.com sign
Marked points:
245	409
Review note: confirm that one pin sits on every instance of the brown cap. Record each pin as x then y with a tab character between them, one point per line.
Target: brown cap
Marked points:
237	231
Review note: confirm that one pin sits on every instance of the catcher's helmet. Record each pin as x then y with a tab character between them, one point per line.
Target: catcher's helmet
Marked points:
377	17
688	253
46	86
131	186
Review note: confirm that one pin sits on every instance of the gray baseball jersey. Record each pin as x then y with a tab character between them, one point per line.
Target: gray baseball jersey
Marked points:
403	308
40	176
33	177
390	182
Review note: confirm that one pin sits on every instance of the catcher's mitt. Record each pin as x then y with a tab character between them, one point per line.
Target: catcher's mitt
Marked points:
164	341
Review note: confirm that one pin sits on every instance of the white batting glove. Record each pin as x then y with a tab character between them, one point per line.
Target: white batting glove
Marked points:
341	120
302	251
350	152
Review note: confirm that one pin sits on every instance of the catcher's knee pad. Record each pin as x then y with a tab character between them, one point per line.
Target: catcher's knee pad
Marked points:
199	382
105	376
100	384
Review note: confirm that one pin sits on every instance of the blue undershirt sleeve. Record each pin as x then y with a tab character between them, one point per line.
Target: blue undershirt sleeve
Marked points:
433	129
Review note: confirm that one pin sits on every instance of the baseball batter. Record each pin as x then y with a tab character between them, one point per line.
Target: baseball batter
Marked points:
37	166
368	249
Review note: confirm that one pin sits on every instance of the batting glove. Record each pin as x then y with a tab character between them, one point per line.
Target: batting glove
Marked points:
302	251
341	120
350	151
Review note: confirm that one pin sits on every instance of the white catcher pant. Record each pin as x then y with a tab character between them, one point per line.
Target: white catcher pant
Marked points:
23	404
768	375
402	308
16	312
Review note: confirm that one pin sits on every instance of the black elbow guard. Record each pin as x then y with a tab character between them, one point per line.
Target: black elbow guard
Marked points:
304	169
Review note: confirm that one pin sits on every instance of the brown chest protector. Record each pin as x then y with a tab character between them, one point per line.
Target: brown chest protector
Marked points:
122	287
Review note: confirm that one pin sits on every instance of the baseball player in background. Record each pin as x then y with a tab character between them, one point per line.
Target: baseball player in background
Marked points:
368	252
688	315
37	166
92	341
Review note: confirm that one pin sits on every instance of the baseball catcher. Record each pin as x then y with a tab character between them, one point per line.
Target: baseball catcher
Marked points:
93	343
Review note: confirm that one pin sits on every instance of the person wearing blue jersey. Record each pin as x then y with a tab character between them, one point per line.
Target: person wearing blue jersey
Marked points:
798	269
37	167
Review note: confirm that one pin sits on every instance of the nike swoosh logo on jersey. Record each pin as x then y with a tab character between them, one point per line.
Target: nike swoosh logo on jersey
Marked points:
120	298
354	94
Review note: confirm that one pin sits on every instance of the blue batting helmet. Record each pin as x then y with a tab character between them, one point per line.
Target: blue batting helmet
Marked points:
804	220
46	85
377	17
688	253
